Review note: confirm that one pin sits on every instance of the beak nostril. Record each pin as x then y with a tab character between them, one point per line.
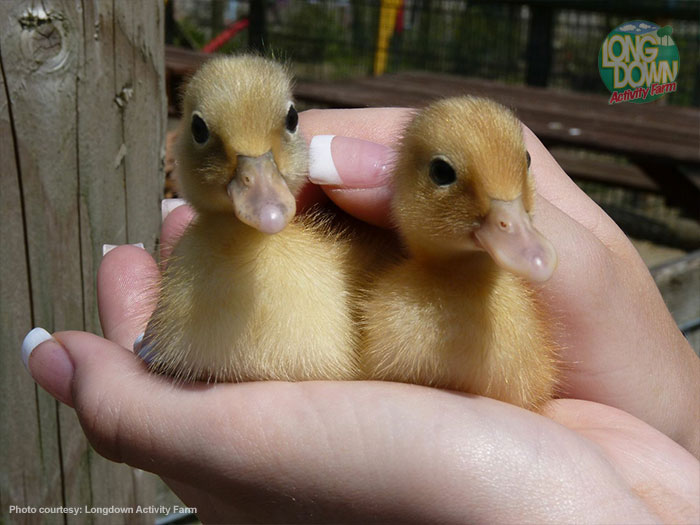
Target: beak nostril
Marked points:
504	225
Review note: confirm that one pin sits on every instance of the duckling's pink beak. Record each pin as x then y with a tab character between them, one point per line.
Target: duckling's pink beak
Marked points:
260	195
508	235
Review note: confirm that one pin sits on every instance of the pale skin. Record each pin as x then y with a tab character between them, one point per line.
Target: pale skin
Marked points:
621	445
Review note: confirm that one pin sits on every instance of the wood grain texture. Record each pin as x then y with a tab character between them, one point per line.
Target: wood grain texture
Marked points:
82	134
27	457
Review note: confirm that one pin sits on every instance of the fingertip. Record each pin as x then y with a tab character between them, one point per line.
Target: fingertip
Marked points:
174	225
126	292
34	338
49	364
168	205
367	137
349	162
125	260
355	174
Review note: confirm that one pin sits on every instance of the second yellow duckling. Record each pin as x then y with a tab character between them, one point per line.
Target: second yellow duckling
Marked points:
457	313
247	294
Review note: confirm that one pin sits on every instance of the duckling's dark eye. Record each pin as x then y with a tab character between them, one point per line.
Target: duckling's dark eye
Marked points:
200	131
442	173
527	156
292	119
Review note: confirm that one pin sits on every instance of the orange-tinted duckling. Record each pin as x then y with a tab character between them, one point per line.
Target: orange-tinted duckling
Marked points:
250	293
458	313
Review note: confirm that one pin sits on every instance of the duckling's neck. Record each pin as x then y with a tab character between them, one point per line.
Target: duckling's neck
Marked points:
477	265
227	229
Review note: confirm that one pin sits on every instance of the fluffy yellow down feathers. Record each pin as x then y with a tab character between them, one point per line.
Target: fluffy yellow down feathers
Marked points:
250	293
457	312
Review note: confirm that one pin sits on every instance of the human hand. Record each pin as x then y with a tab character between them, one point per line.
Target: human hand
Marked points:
620	345
354	451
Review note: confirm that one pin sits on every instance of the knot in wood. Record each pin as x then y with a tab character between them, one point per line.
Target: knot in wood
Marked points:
42	37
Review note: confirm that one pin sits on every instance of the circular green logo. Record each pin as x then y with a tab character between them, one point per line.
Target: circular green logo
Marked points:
638	62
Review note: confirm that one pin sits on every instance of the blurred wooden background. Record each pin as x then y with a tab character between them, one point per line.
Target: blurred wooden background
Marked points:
82	140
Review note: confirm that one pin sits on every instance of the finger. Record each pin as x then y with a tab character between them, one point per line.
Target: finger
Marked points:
117	399
174	225
371	206
666	476
355	166
557	187
126	293
355	173
168	205
580	311
608	355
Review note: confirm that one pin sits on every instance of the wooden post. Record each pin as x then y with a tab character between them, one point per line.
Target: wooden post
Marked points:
82	134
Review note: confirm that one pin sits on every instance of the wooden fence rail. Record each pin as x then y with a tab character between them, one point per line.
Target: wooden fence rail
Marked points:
82	131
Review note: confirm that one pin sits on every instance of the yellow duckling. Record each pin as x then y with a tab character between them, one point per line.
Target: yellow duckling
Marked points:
457	313
247	294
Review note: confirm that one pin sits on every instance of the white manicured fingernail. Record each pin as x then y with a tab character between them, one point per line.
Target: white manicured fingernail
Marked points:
106	248
322	169
33	339
168	205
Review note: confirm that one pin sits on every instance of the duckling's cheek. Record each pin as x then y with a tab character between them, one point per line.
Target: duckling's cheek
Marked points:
508	235
261	197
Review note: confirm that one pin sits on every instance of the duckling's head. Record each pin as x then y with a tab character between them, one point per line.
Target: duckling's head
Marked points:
240	150
462	183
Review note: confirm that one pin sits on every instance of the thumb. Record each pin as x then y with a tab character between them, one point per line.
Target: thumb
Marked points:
126	412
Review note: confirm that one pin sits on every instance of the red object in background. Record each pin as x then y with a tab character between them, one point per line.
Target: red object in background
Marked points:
398	27
226	35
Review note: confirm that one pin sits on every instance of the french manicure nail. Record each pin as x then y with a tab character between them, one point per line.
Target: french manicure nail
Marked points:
33	339
168	205
351	162
106	248
322	169
51	368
